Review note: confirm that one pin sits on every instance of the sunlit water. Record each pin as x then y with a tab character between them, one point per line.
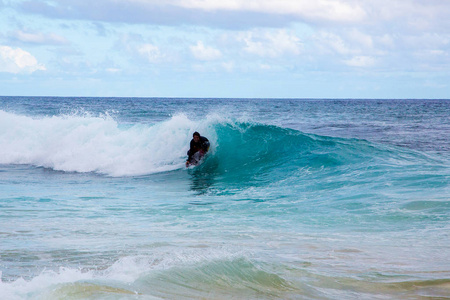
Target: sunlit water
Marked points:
297	199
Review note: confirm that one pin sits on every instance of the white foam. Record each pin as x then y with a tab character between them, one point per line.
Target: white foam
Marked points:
23	289
85	143
124	272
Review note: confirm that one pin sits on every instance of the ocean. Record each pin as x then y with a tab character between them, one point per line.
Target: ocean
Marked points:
296	199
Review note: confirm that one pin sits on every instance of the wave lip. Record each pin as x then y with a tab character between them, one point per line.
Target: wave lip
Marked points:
84	143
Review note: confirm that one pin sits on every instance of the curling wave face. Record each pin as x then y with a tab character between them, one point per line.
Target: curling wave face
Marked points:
86	143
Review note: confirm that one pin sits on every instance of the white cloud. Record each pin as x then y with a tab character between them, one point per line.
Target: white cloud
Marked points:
381	16
113	70
265	67
360	61
216	13
410	15
228	66
328	42
386	40
360	38
200	52
151	53
348	42
18	61
270	43
38	38
319	9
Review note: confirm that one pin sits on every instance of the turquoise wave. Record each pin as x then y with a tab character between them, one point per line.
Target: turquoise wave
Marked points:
261	162
256	151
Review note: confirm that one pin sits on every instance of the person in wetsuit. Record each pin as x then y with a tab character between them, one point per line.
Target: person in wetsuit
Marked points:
198	144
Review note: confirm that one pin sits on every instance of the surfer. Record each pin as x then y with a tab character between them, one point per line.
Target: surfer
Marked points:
198	148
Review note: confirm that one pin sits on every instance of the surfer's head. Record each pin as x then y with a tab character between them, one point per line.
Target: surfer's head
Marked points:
196	136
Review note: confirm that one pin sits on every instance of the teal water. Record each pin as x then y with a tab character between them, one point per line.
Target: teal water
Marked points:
297	199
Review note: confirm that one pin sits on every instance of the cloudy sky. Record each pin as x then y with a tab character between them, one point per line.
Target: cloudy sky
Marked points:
226	48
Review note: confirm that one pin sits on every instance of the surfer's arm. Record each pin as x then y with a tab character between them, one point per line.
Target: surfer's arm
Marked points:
189	154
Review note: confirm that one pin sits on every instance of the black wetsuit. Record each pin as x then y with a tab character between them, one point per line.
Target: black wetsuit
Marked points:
203	144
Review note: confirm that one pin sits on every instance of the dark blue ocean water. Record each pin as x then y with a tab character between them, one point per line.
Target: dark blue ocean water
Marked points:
297	199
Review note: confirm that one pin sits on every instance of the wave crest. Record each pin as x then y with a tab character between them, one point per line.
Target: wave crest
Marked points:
86	143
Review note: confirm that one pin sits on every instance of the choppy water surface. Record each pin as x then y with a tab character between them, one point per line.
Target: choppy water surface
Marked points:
309	199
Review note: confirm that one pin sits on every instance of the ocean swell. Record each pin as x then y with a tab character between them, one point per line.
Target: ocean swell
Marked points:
240	150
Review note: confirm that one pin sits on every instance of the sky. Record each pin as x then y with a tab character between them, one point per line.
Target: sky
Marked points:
226	48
